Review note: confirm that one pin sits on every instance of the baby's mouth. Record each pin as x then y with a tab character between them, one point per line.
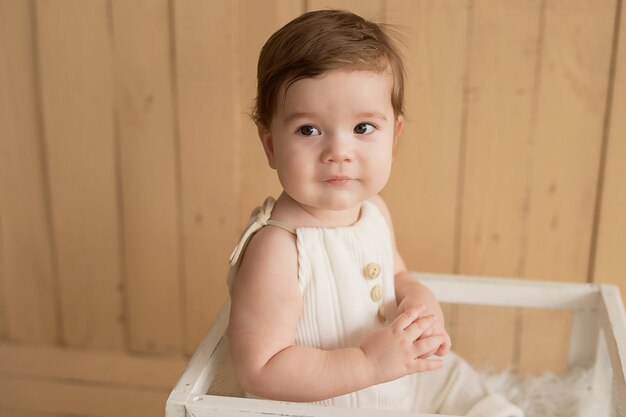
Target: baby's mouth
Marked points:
338	179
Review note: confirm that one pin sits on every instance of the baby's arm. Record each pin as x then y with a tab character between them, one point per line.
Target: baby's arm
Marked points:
266	306
410	293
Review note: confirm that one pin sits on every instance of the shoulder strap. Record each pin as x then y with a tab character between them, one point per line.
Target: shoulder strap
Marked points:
281	225
259	218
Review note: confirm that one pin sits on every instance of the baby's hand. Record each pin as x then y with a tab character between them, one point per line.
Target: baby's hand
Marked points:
394	351
432	307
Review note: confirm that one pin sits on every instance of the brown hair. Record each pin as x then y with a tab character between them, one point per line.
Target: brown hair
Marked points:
318	42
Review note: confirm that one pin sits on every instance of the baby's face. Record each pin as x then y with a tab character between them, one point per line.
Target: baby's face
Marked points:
332	141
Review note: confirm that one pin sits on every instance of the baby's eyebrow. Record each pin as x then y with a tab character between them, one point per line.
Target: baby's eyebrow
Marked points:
373	115
300	115
313	115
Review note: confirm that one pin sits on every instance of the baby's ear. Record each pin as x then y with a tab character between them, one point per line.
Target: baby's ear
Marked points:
399	125
268	144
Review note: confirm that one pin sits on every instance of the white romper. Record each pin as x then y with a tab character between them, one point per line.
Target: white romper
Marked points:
346	277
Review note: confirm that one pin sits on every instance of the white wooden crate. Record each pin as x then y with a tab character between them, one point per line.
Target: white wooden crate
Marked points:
598	334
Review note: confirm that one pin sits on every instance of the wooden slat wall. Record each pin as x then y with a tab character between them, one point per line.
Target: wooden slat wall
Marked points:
76	80
610	250
28	265
206	85
427	160
567	146
129	164
148	163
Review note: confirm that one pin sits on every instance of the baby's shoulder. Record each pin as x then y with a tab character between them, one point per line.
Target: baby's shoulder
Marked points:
267	276
271	241
271	251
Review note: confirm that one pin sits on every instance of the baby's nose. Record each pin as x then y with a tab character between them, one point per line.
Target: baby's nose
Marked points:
337	148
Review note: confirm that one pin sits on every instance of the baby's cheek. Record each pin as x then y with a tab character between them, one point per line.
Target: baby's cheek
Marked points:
293	176
380	170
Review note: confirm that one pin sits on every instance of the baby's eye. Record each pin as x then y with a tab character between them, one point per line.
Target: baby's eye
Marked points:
363	129
308	131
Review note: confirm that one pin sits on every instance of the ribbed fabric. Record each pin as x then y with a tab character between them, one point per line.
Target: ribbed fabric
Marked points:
338	311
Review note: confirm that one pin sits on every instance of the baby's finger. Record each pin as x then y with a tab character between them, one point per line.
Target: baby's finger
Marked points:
426	345
445	346
417	329
425	365
409	316
426	355
431	331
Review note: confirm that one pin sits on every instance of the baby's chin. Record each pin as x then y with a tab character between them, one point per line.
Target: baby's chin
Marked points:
335	203
322	200
335	200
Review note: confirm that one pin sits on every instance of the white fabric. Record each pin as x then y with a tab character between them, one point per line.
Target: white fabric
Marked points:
338	312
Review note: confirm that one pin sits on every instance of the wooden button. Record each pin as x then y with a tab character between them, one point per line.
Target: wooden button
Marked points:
371	270
382	316
376	293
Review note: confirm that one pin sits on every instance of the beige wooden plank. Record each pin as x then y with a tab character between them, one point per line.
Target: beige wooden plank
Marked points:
422	191
610	259
370	9
149	175
89	366
498	156
576	54
257	21
207	80
570	114
484	335
77	88
65	397
5	118
3	314
27	271
500	95
21	413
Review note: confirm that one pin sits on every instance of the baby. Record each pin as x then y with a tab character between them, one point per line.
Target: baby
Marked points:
323	309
